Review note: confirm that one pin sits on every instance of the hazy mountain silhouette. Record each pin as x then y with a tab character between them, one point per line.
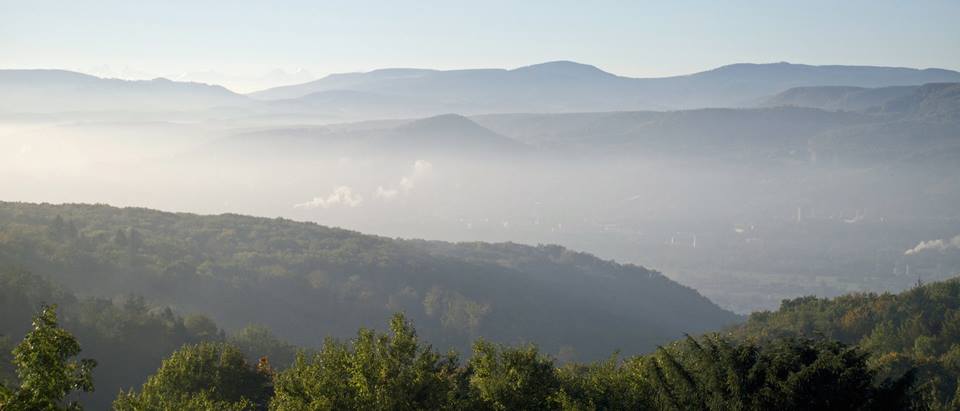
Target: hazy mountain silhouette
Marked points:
920	120
450	134
932	102
565	86
838	97
338	82
554	87
701	132
47	91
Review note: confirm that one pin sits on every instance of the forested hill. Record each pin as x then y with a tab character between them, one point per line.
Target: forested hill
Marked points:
251	370
860	351
917	328
307	282
127	337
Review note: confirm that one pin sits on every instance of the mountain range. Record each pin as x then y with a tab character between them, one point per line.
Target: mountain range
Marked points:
51	91
560	86
565	86
932	101
862	125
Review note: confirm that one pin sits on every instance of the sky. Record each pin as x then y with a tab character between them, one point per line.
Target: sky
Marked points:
238	42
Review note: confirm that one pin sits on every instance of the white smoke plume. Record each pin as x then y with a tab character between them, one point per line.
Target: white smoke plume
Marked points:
937	245
386	193
420	170
341	196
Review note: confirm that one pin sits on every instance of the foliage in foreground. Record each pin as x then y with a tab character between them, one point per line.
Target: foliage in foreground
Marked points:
202	376
45	370
128	337
770	363
395	371
916	329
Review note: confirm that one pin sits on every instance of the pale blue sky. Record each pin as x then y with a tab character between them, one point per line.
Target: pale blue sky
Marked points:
631	38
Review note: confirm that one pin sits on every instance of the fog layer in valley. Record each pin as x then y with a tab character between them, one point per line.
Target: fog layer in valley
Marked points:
733	186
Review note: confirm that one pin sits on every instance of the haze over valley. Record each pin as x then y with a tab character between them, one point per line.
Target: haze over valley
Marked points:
729	187
374	205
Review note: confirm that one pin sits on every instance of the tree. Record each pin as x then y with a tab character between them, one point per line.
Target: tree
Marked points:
45	370
786	374
514	378
377	372
134	239
257	341
610	384
200	377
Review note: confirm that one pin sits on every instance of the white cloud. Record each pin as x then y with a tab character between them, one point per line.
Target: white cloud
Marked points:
341	196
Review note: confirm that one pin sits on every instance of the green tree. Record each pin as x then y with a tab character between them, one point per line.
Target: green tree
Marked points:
376	372
205	376
46	373
256	341
914	330
514	378
785	374
610	384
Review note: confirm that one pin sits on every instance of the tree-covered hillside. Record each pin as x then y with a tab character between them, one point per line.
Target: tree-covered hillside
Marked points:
917	328
306	281
861	351
127	337
399	371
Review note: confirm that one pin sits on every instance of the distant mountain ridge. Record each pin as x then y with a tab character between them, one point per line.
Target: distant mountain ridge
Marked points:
446	134
564	86
837	97
452	131
552	87
387	78
916	127
938	101
933	101
47	91
863	76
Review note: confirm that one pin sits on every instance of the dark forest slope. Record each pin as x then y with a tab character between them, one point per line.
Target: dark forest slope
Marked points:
307	281
917	328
